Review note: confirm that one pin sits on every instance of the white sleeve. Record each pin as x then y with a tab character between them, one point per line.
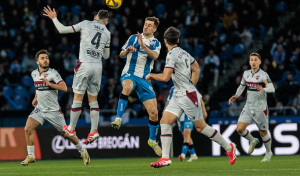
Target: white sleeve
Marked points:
106	52
240	90
61	28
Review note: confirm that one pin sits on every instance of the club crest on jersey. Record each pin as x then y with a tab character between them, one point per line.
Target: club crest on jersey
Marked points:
45	75
257	77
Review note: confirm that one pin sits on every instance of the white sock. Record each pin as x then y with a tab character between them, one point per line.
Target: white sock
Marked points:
214	135
75	113
183	155
30	150
94	113
267	142
193	154
79	147
246	134
166	139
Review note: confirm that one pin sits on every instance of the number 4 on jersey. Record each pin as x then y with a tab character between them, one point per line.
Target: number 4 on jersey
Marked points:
96	40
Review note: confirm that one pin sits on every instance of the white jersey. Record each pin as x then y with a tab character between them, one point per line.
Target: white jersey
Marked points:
255	99
180	61
46	96
139	63
94	38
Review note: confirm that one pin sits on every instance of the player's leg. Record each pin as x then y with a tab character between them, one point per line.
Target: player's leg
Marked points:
57	120
128	85
214	135
166	138
94	113
262	121
192	151
151	107
186	142
171	113
76	109
267	142
32	123
80	83
244	120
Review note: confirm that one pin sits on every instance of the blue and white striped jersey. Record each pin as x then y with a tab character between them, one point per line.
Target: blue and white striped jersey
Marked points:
139	63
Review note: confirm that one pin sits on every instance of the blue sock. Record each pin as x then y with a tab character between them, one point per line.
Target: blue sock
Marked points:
123	100
185	148
153	129
191	149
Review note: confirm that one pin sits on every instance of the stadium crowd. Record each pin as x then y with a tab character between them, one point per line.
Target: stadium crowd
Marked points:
214	32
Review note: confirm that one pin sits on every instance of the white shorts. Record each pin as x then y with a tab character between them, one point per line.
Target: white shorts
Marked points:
190	106
55	118
87	77
260	117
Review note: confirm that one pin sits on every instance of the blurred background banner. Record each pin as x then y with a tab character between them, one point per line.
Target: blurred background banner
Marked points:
13	144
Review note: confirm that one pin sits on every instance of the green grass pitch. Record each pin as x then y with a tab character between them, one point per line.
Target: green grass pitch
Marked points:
245	165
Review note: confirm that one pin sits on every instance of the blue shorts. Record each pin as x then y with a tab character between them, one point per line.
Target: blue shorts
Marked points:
142	87
186	124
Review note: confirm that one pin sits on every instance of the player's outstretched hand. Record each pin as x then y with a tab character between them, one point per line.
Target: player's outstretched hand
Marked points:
148	78
260	88
131	49
232	99
49	12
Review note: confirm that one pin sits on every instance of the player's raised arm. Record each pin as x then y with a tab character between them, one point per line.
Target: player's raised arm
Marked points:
53	16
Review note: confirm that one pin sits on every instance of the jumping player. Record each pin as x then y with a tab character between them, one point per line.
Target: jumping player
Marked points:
140	50
186	99
94	44
258	85
47	82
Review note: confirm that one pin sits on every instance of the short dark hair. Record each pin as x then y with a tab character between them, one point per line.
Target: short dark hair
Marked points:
154	19
255	54
103	14
43	51
172	35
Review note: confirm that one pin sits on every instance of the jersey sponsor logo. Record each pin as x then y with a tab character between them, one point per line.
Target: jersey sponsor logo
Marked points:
93	53
254	84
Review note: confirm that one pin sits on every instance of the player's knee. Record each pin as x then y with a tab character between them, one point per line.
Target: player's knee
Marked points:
153	114
28	130
240	130
263	133
127	89
199	129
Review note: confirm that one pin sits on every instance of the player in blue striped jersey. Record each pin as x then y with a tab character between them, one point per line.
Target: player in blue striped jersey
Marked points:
141	50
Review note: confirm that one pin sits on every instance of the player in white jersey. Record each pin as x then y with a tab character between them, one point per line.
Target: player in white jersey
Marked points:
183	69
185	126
47	82
258	85
94	44
141	50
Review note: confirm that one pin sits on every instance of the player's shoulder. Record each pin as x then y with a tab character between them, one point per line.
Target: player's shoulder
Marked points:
262	72
247	72
34	72
52	70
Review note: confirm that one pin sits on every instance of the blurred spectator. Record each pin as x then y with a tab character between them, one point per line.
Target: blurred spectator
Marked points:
296	105
229	17
279	57
212	61
3	103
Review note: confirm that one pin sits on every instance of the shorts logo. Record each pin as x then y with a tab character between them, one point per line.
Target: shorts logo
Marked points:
36	110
